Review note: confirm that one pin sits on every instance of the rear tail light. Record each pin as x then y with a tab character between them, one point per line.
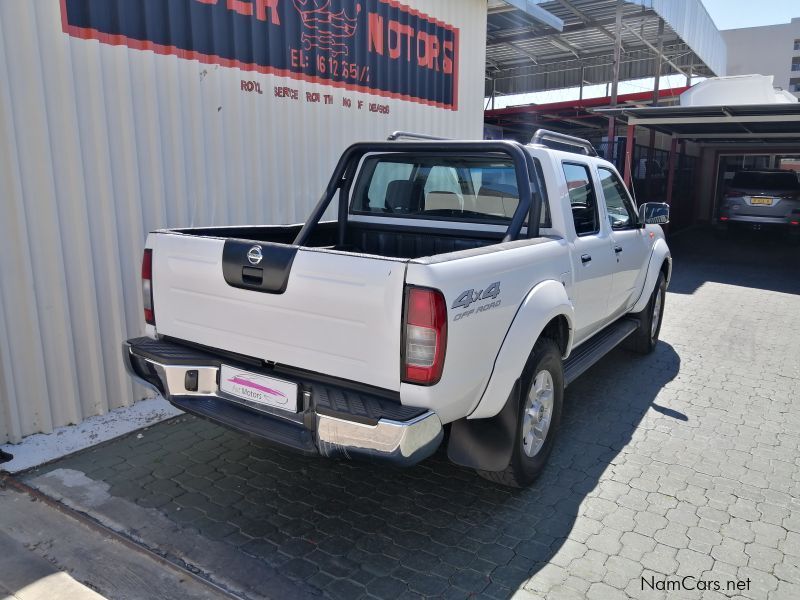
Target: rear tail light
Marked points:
723	218
424	336
147	287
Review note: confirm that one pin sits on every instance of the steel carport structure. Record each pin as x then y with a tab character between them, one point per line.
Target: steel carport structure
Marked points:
598	41
752	125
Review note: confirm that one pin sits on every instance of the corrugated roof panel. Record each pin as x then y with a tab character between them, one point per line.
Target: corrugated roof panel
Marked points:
690	40
691	21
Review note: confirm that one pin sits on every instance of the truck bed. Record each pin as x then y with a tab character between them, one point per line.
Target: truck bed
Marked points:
362	238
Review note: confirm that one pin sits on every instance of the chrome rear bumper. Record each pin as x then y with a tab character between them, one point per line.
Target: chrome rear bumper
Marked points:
191	383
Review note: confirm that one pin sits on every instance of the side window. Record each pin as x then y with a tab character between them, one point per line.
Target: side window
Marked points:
582	198
618	204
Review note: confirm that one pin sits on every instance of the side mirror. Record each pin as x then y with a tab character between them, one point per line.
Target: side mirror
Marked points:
654	213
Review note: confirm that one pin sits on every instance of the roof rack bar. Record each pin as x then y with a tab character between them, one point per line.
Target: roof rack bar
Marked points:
542	136
410	135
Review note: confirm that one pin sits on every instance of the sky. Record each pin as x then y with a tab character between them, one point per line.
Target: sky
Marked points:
732	14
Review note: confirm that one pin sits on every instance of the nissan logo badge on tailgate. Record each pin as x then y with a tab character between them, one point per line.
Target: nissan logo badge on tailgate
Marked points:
254	255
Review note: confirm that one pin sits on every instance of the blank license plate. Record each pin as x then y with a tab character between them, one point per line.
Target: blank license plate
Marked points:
258	389
761	200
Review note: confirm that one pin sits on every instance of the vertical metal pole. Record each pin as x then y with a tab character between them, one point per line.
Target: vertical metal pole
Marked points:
612	125
630	140
659	60
617	53
673	147
656	85
583	71
494	90
689	76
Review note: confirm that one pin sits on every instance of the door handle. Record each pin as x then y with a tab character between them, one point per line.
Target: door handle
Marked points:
585	258
617	249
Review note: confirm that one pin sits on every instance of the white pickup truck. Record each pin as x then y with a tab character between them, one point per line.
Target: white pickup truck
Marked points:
462	286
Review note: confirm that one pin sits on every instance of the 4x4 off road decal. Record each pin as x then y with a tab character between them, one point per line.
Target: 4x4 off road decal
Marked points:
375	46
469	297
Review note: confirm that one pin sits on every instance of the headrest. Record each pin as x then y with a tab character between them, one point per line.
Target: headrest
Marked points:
402	196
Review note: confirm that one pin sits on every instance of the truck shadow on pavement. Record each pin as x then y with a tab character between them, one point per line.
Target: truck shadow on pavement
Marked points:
351	529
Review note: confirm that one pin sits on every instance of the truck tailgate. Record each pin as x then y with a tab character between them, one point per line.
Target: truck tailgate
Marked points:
339	315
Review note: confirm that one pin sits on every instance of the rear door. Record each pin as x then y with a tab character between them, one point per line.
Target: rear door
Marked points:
631	244
591	253
339	314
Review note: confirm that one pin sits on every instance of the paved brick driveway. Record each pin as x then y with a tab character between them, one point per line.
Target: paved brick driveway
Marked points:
681	463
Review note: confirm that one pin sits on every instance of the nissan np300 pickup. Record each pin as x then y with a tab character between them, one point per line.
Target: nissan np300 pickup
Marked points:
463	286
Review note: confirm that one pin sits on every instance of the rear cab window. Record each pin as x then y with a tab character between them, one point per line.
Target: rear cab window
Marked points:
480	189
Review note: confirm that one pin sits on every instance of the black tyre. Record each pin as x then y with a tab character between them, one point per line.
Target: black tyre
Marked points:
645	338
539	415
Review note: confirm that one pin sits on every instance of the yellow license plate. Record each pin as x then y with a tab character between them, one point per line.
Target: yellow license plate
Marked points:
761	200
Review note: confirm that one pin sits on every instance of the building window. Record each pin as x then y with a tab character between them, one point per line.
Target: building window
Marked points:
794	84
796	63
797	44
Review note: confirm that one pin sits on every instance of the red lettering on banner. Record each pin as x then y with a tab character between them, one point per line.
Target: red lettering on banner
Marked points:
428	51
400	30
376	33
272	5
447	62
245	7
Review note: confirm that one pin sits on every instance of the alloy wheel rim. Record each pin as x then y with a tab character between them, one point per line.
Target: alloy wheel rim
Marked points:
538	413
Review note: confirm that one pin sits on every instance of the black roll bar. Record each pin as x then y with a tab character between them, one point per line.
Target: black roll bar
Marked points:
530	204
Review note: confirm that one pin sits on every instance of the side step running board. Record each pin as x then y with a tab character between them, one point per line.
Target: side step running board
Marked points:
592	350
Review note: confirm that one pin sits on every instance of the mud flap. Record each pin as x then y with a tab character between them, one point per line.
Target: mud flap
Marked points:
486	444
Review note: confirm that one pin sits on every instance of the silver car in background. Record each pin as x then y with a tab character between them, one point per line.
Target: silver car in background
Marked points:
762	198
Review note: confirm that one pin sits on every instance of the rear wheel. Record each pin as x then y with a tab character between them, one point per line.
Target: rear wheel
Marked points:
542	397
645	338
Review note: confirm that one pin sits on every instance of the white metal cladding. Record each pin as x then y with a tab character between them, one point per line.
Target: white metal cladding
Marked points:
691	21
100	144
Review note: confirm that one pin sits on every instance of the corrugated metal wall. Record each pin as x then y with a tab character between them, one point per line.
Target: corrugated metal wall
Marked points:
100	144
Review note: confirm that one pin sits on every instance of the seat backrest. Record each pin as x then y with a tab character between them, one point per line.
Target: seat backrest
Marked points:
403	196
443	201
496	202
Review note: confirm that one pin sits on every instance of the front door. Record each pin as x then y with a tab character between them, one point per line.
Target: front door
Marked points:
630	243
